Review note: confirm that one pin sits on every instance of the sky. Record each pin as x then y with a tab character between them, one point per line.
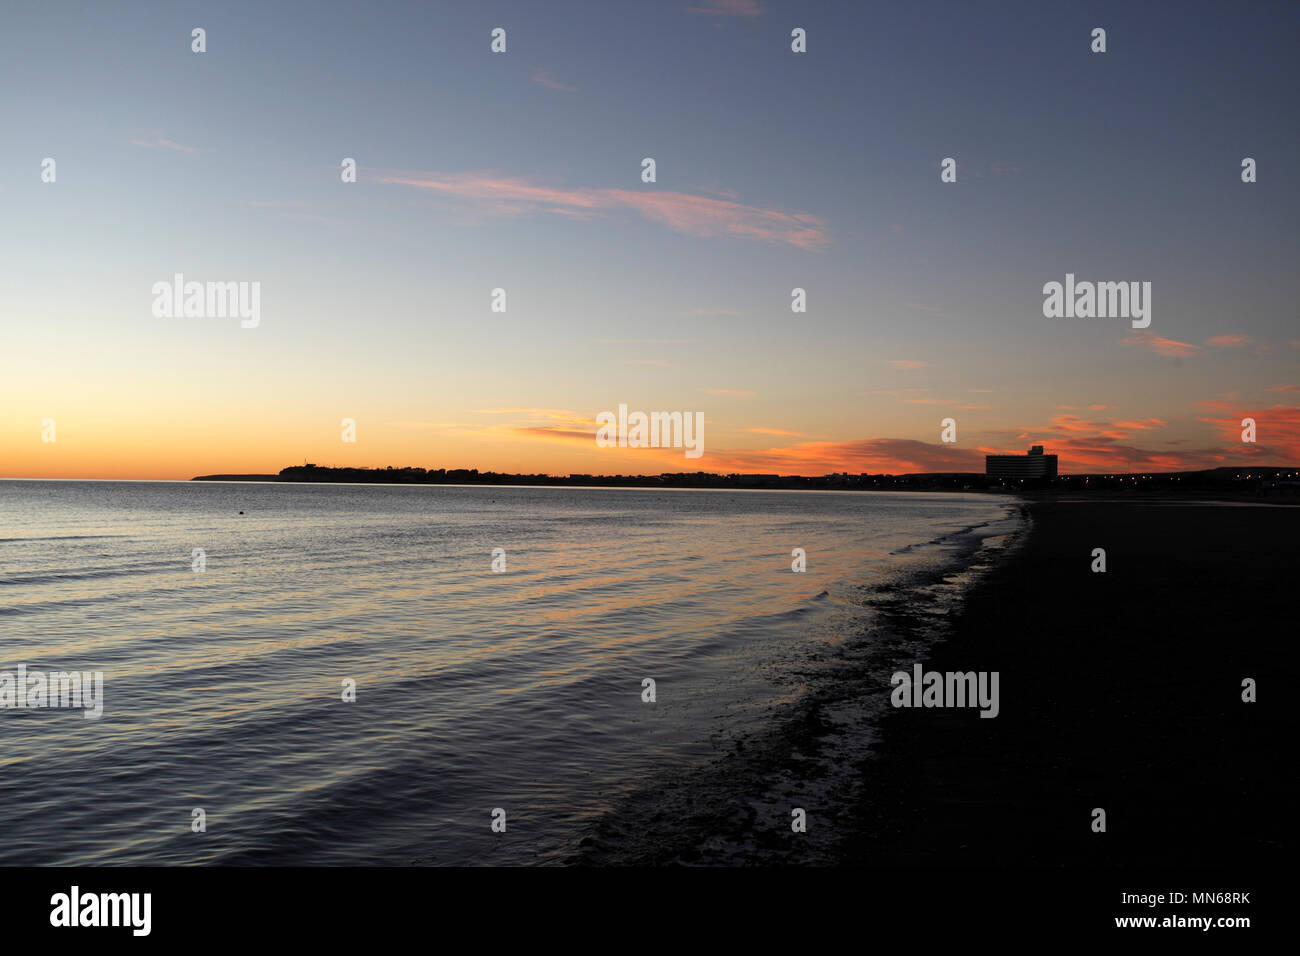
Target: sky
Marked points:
522	171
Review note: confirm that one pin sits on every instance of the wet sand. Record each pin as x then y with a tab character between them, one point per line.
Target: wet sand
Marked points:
1120	690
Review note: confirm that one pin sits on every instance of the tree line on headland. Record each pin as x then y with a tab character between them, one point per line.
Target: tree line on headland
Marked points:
1267	480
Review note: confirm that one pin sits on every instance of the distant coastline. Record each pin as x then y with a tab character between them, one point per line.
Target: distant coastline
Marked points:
1231	481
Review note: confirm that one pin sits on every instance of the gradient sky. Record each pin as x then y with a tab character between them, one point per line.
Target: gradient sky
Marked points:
522	171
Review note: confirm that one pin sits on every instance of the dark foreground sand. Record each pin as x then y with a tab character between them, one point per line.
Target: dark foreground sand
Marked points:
1119	690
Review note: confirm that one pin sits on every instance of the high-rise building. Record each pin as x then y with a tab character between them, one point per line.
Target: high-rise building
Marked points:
1032	465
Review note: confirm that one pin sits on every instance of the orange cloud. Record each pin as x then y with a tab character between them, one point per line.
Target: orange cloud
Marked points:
873	455
1229	341
1277	431
690	215
1087	446
1162	346
557	433
1114	431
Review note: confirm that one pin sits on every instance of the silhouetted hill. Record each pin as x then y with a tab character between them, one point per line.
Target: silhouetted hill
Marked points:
1219	482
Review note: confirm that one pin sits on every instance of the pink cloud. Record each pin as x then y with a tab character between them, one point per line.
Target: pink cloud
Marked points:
907	364
543	78
160	143
690	215
1112	431
1229	341
1162	346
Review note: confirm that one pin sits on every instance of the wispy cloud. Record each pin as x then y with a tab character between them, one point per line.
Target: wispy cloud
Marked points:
161	143
908	364
543	78
1229	341
873	455
684	213
1073	424
1161	346
557	424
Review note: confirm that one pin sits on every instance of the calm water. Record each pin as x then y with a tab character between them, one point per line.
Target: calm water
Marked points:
475	690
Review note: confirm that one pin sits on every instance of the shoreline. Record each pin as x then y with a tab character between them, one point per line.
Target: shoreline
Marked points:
734	809
1119	690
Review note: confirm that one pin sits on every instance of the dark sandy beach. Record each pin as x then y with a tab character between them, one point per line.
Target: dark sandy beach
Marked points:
1120	690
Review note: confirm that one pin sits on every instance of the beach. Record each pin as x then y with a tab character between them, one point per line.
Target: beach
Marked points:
526	689
1120	690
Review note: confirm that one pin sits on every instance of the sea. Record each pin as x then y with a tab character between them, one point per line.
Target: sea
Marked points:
436	675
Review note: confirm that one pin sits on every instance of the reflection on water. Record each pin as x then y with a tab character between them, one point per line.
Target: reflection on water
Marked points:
474	689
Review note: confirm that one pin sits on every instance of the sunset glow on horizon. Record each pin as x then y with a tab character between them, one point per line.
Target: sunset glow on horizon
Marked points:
522	172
